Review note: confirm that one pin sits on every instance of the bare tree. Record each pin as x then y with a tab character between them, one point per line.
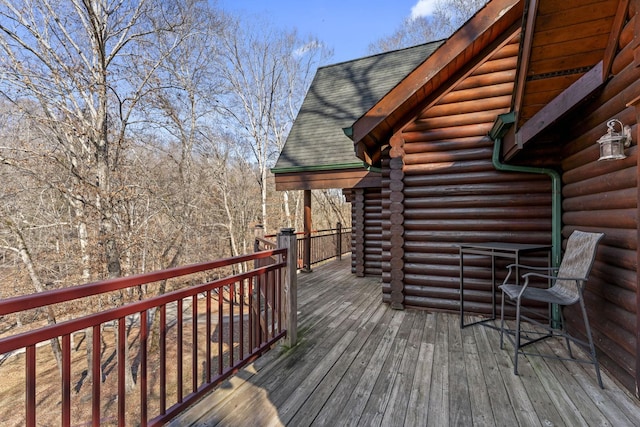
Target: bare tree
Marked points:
447	17
16	228
332	208
66	67
235	201
179	112
267	73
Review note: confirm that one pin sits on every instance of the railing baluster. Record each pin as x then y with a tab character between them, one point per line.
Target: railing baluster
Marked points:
143	368
97	376
259	325
163	359
279	290
194	343
208	340
30	367
220	326
121	371
179	350
241	321
252	332
272	290
231	298
66	380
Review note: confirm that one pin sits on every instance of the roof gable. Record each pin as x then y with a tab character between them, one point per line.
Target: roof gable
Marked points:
470	41
338	95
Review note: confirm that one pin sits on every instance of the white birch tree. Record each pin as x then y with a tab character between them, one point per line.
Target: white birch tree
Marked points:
266	74
68	68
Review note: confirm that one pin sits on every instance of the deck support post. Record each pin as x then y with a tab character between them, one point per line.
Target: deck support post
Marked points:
396	219
358	231
287	239
339	241
306	261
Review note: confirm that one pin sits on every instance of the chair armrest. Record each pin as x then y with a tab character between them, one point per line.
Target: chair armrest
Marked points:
531	267
546	276
526	276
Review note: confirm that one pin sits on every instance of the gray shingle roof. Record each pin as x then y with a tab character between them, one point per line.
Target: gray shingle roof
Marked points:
338	96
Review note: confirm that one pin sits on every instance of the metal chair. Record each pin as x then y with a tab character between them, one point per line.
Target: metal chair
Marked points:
567	286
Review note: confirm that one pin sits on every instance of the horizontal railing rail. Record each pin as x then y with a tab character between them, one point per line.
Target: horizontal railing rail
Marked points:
187	359
263	244
323	245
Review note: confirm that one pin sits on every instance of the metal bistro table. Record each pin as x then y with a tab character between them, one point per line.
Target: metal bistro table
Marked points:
511	251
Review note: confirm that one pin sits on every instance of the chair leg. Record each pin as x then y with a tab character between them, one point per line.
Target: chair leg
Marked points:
564	332
592	348
516	344
502	322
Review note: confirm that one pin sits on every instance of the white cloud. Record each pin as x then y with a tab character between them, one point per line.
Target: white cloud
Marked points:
314	44
423	8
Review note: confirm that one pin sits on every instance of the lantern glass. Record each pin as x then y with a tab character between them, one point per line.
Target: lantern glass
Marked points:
612	149
612	143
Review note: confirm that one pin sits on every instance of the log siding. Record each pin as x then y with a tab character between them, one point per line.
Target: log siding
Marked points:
366	211
440	173
603	196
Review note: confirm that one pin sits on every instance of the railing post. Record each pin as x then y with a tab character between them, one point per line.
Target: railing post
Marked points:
287	239
339	245
258	233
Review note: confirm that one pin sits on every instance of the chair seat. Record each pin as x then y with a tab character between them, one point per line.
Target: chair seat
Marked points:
537	294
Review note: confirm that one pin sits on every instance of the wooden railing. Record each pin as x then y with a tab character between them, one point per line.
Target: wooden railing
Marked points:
323	245
174	347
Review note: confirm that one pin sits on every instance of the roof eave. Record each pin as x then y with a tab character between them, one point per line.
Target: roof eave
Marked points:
497	13
317	168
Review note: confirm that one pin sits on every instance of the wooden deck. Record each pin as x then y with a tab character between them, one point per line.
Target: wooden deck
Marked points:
360	363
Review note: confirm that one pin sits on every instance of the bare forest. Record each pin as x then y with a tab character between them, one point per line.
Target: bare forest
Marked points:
138	135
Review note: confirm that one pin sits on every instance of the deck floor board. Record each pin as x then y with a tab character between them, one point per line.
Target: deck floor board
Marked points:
361	363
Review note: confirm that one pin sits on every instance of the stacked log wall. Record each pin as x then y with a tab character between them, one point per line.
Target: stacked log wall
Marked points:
452	194
386	227
603	197
366	238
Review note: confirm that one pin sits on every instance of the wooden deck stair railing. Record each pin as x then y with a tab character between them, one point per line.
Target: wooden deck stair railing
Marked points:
208	326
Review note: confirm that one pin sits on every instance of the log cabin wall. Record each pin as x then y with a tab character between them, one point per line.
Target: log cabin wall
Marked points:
440	169
393	226
603	196
366	238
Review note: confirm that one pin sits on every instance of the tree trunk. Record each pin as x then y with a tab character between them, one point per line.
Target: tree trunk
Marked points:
287	211
263	192
83	239
37	284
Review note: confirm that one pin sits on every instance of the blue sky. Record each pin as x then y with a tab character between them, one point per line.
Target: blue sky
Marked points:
347	26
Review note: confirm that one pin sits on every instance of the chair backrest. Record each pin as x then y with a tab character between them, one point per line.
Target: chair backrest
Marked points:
576	262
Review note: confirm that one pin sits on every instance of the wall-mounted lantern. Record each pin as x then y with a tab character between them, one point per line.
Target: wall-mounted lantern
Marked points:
612	143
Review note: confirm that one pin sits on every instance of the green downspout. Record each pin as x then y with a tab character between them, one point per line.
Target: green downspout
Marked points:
499	129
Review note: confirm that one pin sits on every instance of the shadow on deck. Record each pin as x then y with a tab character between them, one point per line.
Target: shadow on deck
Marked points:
360	363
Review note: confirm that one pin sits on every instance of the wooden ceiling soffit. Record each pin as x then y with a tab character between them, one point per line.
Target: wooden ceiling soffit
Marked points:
316	180
553	111
480	31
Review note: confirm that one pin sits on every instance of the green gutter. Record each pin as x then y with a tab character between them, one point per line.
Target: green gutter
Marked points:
499	129
318	168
